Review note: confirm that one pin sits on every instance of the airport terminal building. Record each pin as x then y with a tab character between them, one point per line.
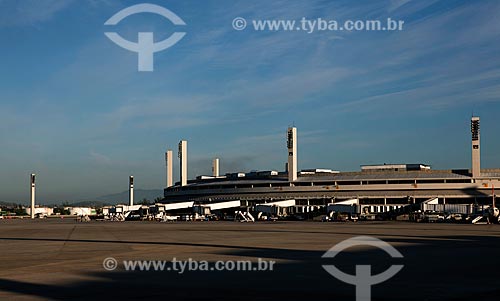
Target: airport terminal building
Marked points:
383	187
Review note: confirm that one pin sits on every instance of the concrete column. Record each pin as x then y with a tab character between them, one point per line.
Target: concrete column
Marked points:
292	153
32	195
131	191
476	151
170	168
215	167
183	162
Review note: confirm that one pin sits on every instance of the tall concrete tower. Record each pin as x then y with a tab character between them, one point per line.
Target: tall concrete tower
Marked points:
292	153
476	150
32	195
131	191
183	160
170	168
215	167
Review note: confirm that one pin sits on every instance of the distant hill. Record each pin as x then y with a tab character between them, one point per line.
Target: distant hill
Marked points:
122	197
89	204
110	199
8	204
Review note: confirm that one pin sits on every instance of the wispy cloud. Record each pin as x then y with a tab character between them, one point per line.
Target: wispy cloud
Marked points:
30	12
99	158
171	112
395	4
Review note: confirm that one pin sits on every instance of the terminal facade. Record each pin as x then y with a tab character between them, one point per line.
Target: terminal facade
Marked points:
386	185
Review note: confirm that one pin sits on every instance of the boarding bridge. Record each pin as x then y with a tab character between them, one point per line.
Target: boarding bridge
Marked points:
162	210
432	204
207	209
224	205
158	211
176	206
347	206
353	206
278	208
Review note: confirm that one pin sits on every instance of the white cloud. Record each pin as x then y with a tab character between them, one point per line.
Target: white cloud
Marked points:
395	4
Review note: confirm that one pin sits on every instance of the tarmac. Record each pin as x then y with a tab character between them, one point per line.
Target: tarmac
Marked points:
61	259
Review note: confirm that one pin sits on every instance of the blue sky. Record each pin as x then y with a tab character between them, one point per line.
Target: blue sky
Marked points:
75	110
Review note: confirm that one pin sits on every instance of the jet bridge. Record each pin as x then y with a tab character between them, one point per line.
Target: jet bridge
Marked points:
175	206
278	208
223	205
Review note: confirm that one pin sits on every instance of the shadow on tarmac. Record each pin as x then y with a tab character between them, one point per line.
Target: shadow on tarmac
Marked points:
442	268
